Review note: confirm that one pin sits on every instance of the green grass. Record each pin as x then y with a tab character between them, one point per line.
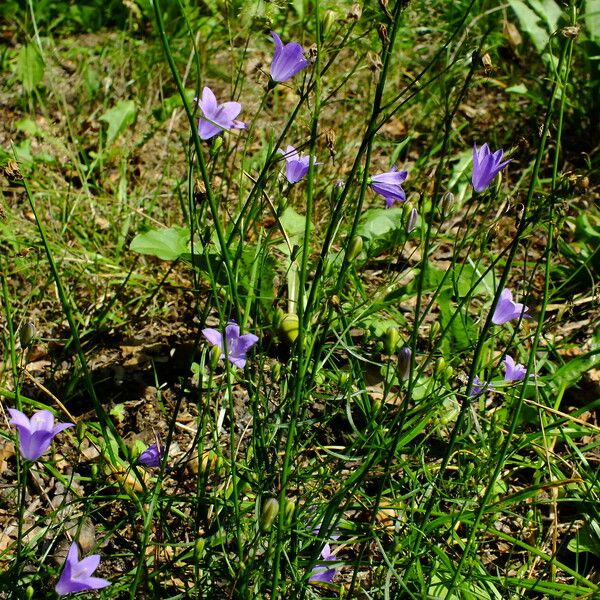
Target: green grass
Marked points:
124	235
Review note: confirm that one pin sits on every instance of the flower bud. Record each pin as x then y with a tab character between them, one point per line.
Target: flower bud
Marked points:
29	592
404	360
390	342
329	18
26	334
269	511
411	223
216	145
354	247
289	509
215	355
447	202
289	326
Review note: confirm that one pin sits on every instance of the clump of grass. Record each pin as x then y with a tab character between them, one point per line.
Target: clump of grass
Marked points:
325	352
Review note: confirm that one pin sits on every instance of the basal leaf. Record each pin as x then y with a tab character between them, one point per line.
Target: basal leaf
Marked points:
118	118
167	244
30	67
381	228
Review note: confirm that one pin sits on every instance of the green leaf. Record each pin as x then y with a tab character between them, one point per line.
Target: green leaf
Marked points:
166	244
587	539
293	224
530	23
381	228
164	111
570	373
592	19
119	118
30	67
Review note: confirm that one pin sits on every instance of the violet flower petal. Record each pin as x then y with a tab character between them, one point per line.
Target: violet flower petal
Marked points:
287	60
486	166
389	186
35	434
77	574
507	310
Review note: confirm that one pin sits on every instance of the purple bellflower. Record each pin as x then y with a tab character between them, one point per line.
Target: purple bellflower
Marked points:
217	117
77	574
324	573
35	434
151	456
287	60
514	371
479	386
486	166
237	345
389	185
507	310
296	164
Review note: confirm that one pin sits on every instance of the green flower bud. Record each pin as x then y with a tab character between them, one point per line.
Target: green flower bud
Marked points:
289	509
390	342
329	18
354	247
269	511
29	592
290	326
216	145
27	333
215	355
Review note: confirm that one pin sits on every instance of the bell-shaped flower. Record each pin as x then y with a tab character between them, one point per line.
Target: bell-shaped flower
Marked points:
287	60
324	573
235	344
35	434
296	164
217	117
479	386
151	456
389	185
507	310
514	371
77	574
486	166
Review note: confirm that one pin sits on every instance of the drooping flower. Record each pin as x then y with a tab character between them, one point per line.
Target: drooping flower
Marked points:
479	386
151	456
237	345
514	371
389	185
35	434
507	310
486	166
217	117
324	573
77	574
404	363
287	60
296	164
